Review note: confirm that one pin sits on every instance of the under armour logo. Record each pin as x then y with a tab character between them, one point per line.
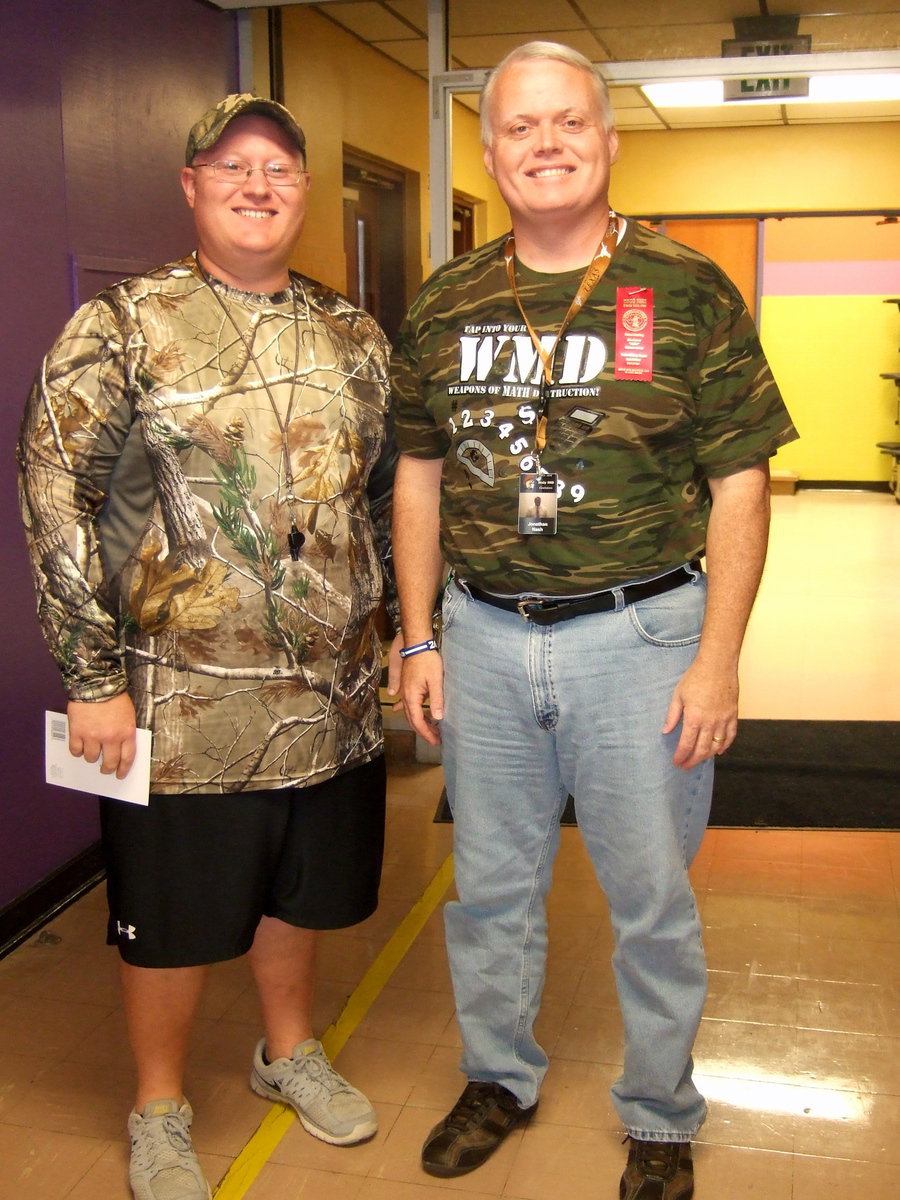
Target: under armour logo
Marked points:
126	931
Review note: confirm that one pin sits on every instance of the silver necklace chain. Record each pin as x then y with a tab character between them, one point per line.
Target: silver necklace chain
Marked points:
295	538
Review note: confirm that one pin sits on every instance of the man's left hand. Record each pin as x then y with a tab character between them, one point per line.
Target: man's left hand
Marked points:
705	701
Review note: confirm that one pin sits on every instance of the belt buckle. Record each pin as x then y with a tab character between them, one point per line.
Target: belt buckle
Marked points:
534	602
522	605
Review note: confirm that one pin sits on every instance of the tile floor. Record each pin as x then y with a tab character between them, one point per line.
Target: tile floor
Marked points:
799	1051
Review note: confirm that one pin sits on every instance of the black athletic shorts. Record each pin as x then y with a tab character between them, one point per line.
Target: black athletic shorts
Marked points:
190	876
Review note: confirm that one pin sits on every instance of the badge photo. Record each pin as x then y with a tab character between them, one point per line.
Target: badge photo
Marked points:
537	503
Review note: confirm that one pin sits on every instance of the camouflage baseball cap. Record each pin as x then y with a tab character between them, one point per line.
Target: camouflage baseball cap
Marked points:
213	124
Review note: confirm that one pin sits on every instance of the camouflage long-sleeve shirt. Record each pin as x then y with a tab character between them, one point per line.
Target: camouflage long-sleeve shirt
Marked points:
632	455
176	431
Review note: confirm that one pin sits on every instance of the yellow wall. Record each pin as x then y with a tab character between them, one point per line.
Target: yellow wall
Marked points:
808	168
346	95
827	352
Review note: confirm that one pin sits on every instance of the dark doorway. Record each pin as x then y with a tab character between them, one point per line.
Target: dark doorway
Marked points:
463	226
374	240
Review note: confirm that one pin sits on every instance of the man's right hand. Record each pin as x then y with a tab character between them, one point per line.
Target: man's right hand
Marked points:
422	679
104	730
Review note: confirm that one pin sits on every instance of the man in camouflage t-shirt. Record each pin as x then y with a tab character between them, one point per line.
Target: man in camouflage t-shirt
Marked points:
584	411
206	481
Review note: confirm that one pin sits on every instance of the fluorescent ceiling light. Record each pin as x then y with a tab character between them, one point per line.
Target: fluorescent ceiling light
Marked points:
695	93
823	89
850	89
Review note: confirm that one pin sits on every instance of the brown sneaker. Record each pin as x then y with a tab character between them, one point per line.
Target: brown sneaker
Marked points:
658	1171
473	1129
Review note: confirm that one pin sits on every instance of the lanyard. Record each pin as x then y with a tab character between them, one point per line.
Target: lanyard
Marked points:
592	276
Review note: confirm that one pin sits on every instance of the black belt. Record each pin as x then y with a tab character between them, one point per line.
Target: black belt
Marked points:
548	612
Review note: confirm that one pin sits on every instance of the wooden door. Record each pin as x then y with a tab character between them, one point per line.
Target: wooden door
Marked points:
732	243
374	223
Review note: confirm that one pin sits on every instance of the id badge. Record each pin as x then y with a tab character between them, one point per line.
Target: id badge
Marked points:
537	503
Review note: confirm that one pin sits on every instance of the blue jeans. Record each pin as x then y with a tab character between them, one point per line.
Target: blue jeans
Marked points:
534	713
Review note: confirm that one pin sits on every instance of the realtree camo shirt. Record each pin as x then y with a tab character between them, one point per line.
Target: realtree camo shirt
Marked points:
632	457
157	452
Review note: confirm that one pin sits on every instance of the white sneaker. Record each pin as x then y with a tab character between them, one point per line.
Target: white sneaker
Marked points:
328	1107
163	1163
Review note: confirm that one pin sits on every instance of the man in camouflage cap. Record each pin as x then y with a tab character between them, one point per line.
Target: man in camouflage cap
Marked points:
600	365
207	131
206	482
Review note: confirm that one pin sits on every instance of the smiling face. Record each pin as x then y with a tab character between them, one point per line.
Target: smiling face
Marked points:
549	153
246	231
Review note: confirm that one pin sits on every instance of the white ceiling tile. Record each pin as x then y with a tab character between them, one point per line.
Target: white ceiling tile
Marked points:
840	8
847	113
840	121
647	13
862	32
636	118
685	118
470	18
413	54
487	51
627	97
415	12
369	21
663	41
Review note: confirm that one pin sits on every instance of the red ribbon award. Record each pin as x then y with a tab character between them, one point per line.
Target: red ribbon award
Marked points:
634	333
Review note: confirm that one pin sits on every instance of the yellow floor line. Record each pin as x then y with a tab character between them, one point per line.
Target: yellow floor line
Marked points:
246	1167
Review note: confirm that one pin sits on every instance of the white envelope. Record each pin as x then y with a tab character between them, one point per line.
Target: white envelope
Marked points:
65	770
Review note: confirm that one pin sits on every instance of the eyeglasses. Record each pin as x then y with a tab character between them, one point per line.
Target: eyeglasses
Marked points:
235	170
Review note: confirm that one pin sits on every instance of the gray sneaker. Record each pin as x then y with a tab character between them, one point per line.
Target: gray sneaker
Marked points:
163	1163
328	1107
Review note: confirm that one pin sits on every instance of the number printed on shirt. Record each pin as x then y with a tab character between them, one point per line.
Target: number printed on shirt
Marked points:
527	415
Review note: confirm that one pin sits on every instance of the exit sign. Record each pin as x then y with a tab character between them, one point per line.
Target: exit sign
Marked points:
773	86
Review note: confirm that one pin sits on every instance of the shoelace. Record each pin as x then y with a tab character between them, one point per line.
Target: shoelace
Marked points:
468	1107
657	1159
177	1136
324	1074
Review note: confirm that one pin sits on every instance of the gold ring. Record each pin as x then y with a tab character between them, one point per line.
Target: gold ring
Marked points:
715	739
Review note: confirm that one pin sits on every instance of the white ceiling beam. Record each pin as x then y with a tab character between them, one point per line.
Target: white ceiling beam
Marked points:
440	139
682	70
753	67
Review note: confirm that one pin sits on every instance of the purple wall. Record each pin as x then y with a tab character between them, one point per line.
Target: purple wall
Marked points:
97	99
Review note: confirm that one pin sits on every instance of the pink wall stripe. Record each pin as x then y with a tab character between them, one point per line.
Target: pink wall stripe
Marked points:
865	278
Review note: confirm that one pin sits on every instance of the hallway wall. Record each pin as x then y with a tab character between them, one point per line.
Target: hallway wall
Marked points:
94	113
827	350
830	335
802	168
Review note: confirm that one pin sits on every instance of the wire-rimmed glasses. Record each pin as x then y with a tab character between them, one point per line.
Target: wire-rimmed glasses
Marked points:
236	170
